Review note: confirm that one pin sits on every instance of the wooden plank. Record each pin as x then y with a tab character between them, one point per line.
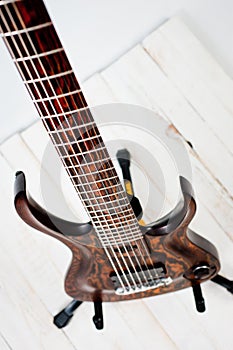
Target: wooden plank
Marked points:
199	59
180	72
215	199
96	92
3	343
37	141
159	92
24	311
145	325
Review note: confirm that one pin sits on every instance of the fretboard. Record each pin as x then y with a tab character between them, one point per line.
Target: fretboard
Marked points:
37	52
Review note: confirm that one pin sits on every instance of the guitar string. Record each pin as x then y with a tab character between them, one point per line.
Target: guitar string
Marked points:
143	242
120	221
110	259
122	256
97	202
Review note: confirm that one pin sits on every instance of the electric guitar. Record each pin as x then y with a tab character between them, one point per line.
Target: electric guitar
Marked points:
114	256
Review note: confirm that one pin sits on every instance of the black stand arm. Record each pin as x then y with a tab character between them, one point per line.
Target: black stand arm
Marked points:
123	157
63	317
199	300
224	282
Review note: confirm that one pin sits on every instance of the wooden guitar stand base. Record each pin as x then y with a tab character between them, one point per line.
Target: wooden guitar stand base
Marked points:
25	206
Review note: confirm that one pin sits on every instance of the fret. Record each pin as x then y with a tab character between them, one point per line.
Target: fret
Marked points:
114	215
57	96
41	60
110	243
62	74
106	206
88	159
28	13
5	2
90	155
76	143
95	182
118	232
123	235
112	211
46	66
75	111
123	231
52	87
63	104
66	130
96	163
81	153
29	42
114	194
87	138
112	202
26	30
81	185
118	240
93	138
47	53
102	189
96	172
130	222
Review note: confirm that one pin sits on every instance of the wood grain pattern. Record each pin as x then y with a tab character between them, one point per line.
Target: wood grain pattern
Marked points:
32	40
88	278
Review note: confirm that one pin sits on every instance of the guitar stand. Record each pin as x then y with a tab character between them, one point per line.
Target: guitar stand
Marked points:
63	317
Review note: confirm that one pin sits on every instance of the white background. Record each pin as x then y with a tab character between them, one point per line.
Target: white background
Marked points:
97	32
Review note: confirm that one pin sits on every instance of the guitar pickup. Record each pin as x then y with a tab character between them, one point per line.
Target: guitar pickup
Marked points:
141	280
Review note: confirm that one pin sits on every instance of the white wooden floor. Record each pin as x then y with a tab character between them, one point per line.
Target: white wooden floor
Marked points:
170	72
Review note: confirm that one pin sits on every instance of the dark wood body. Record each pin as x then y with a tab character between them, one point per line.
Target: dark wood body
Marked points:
169	241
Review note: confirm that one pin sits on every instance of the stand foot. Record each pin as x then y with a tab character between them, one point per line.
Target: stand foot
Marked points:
63	318
224	282
98	317
199	300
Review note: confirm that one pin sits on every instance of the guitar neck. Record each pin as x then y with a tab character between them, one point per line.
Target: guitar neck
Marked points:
37	52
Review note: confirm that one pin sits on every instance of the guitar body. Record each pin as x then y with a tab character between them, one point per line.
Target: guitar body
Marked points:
88	276
188	258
